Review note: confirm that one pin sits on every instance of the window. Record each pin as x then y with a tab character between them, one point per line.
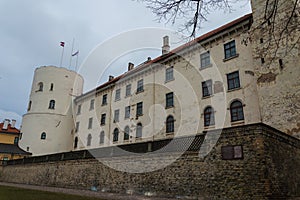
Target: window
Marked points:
78	109
29	105
118	95
92	104
103	116
170	124
104	99
139	130
126	133
232	152
209	116
102	135
52	104
89	140
236	111
229	49
140	86
77	127
51	87
127	112
117	115
116	135
43	136
139	109
233	80
280	64
261	40
90	125
16	140
40	86
169	74
128	90
205	59
76	142
169	100
207	88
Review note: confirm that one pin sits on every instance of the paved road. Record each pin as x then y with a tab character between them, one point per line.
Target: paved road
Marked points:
108	196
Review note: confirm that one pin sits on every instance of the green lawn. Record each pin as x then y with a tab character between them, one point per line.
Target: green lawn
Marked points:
12	193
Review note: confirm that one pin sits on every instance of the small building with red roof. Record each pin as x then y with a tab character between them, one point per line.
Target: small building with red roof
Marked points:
9	139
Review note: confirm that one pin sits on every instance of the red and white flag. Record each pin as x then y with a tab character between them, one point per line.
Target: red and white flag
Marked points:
62	44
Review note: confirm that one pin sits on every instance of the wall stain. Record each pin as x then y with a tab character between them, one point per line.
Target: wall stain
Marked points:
267	78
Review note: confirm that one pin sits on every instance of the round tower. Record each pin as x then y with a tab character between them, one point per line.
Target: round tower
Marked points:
48	125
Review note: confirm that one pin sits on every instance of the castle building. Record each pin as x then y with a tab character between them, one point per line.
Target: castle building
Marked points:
219	80
183	92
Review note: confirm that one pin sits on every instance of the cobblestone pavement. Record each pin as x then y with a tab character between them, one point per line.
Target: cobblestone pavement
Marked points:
107	196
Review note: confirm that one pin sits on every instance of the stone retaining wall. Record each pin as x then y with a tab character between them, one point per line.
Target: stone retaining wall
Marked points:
268	169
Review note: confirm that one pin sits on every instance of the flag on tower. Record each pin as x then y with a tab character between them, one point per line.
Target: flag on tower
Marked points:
76	53
62	44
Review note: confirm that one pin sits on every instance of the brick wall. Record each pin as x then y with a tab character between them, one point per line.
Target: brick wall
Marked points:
268	169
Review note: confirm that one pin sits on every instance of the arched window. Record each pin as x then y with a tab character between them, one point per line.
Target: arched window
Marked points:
139	130
170	124
89	140
51	87
236	111
76	142
40	86
52	104
209	116
126	133
102	135
43	136
116	135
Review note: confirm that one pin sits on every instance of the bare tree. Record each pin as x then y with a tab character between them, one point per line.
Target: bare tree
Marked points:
280	26
191	13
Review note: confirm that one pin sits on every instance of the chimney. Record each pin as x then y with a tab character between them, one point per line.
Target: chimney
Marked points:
166	47
5	124
13	123
130	66
110	78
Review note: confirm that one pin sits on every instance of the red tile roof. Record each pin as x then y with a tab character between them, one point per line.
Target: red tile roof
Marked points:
9	129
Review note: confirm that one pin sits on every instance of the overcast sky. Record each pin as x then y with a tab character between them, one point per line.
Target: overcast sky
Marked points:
31	31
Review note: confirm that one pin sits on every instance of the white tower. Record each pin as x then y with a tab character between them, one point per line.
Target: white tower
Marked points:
48	125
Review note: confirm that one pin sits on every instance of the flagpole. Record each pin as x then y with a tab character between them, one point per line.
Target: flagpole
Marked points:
76	62
62	44
71	53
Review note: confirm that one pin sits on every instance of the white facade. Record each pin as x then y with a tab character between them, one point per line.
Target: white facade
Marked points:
181	76
48	125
